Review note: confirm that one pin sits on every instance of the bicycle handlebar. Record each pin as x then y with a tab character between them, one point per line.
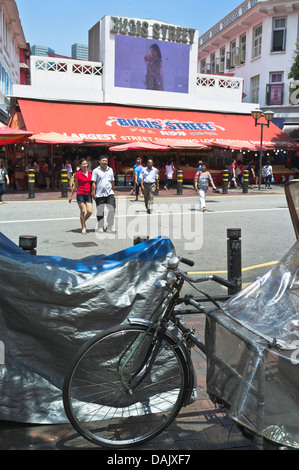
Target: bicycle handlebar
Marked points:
210	277
173	264
189	262
224	282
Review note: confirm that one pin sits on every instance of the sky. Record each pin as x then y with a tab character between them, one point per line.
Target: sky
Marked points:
60	23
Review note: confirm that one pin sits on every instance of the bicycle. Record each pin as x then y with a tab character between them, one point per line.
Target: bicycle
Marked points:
127	384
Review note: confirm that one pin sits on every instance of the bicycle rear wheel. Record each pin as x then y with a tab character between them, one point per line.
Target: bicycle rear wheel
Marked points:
103	399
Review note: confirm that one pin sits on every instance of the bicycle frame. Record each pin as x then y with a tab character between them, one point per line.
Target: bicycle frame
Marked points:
159	321
143	346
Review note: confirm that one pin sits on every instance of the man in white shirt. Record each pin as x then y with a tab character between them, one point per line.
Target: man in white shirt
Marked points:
149	182
102	191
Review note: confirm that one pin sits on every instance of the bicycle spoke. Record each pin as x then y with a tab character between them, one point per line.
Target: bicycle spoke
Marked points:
103	404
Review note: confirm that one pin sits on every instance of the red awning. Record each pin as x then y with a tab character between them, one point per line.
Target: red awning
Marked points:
112	124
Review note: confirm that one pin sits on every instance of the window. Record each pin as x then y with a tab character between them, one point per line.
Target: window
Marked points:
231	53
257	41
279	34
275	89
203	66
233	45
5	33
213	62
276	77
222	60
255	89
243	48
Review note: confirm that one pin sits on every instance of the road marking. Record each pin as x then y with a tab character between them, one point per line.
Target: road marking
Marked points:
249	268
118	216
257	266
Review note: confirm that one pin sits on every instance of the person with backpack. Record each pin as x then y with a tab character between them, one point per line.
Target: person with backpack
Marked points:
201	183
267	174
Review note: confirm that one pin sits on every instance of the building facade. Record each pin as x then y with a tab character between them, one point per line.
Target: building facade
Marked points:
41	50
80	51
123	76
257	42
13	54
141	84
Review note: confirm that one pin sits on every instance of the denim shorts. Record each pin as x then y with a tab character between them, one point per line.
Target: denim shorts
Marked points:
85	198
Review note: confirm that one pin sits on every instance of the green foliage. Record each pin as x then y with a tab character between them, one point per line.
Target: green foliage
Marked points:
294	71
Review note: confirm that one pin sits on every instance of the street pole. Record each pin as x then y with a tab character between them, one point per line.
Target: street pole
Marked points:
268	115
261	155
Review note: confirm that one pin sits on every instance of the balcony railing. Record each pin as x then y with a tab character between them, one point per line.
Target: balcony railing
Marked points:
219	82
57	65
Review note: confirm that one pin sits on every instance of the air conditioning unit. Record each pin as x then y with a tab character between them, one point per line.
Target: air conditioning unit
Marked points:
236	60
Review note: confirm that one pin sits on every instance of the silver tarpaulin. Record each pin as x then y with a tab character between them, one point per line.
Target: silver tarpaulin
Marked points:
49	306
253	354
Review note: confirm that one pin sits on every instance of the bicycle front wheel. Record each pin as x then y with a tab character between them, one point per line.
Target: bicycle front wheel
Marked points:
110	395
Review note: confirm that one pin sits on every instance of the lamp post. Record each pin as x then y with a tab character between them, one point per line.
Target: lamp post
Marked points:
268	115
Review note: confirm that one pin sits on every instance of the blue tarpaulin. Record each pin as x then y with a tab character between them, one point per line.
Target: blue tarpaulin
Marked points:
151	250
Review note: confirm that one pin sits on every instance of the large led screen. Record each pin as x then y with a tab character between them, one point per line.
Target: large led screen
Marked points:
151	65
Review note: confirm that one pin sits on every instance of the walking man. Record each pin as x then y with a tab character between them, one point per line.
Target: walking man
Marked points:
149	182
102	190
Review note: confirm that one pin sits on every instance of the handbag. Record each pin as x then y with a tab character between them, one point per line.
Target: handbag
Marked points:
272	179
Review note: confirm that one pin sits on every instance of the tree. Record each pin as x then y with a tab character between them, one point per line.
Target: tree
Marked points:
294	74
294	71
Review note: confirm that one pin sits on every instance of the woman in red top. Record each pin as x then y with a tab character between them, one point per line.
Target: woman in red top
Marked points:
83	187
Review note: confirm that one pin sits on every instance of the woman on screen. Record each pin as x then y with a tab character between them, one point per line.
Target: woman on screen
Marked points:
154	76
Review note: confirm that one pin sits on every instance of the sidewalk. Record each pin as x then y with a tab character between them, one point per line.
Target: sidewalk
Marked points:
187	191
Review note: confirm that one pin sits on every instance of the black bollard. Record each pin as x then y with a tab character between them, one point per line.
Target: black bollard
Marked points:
245	181
225	178
64	183
234	270
179	186
140	239
28	243
31	183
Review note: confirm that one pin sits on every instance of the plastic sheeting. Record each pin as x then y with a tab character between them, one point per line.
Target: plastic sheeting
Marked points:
253	354
49	306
